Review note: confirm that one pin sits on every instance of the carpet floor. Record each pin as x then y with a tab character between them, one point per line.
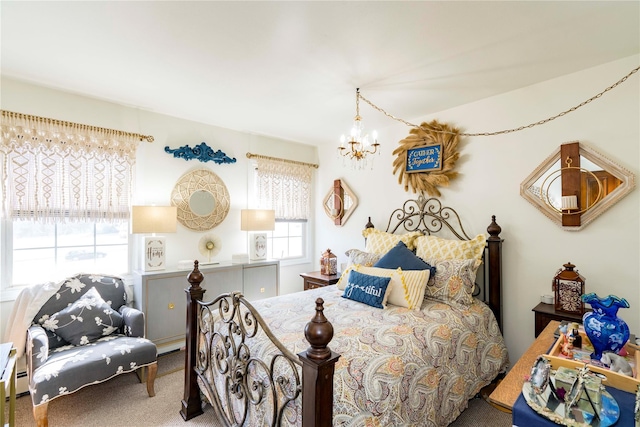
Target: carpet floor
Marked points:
123	401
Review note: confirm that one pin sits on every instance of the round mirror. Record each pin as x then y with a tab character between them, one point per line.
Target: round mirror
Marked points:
202	202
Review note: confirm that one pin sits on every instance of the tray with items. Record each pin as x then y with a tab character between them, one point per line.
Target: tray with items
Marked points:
570	397
621	371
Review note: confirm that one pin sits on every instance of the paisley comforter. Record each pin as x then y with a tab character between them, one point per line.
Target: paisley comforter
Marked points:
398	367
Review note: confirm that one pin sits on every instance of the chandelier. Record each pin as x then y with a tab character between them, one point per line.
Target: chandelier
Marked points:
358	146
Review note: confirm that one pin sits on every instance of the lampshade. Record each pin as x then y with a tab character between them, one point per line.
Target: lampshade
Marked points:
154	219
257	219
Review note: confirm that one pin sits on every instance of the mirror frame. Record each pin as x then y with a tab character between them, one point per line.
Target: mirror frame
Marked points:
197	180
345	213
626	177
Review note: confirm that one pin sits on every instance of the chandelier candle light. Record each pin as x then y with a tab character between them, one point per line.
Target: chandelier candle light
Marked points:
359	145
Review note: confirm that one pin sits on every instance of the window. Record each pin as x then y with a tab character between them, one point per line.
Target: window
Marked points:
288	240
285	187
66	189
44	252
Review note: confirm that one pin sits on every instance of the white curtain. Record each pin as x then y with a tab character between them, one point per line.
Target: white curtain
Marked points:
285	187
57	171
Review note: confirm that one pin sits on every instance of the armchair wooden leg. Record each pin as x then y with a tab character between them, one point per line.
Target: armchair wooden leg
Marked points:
151	377
40	414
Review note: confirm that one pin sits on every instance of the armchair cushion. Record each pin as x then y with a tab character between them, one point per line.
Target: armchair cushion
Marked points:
111	289
85	320
70	368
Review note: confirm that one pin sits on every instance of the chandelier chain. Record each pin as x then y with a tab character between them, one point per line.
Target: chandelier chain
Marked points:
500	132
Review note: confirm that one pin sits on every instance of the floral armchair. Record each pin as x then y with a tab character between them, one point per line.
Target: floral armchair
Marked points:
85	334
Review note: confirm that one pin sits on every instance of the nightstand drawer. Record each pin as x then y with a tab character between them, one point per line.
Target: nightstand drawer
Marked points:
316	280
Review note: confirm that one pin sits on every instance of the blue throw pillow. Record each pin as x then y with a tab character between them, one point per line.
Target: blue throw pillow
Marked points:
401	256
370	290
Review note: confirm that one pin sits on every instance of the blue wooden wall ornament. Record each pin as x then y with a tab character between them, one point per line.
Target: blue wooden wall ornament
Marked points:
201	152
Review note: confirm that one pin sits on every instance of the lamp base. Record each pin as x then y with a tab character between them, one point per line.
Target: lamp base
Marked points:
153	254
257	246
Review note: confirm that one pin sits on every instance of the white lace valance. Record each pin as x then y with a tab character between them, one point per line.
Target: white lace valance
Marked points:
285	187
59	171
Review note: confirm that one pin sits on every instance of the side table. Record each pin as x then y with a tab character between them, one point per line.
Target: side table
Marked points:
8	382
544	313
315	280
507	392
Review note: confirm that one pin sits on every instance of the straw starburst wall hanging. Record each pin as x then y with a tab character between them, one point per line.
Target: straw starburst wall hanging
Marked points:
425	160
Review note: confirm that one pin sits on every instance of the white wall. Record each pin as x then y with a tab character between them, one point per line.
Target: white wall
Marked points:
606	252
157	171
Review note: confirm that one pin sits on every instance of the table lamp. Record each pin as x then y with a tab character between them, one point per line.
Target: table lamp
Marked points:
154	219
257	220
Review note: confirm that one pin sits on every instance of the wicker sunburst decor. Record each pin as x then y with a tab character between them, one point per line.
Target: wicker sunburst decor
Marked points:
205	185
428	134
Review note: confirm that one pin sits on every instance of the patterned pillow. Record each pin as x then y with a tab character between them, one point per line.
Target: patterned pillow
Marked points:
433	249
370	290
401	256
84	321
357	256
407	288
380	242
453	282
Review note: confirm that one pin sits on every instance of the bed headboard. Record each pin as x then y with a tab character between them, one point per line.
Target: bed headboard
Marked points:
429	216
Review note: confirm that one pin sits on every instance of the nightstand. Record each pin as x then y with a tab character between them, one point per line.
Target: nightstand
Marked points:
547	312
315	280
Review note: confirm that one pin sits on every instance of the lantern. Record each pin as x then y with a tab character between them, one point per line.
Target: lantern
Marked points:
328	263
569	288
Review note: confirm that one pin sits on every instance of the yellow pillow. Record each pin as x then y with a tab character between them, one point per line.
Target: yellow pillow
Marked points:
406	288
432	248
381	242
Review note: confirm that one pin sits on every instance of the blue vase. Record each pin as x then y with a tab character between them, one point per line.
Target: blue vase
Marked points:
606	331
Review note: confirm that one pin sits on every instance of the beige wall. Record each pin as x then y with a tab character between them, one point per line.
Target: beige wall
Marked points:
606	252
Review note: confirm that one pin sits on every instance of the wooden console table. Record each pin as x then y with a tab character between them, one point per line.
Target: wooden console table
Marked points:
507	392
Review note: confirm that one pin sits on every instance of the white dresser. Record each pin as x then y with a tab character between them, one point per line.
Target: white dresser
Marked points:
161	294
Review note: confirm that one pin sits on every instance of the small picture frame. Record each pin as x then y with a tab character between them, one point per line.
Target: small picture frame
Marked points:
153	256
426	158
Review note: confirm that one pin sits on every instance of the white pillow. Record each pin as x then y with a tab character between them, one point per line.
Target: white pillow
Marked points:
406	287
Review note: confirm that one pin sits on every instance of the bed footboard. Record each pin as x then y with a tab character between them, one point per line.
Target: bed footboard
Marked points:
220	363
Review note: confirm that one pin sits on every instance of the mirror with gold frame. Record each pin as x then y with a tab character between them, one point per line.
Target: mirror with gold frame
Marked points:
202	200
598	176
340	202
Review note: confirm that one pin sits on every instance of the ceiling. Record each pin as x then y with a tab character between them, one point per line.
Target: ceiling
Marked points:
290	69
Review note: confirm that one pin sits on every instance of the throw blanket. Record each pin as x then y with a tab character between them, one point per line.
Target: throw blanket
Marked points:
26	306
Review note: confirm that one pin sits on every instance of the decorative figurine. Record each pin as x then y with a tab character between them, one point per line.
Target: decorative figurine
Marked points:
573	331
617	363
567	345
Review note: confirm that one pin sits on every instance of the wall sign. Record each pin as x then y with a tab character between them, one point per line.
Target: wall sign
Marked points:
424	159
